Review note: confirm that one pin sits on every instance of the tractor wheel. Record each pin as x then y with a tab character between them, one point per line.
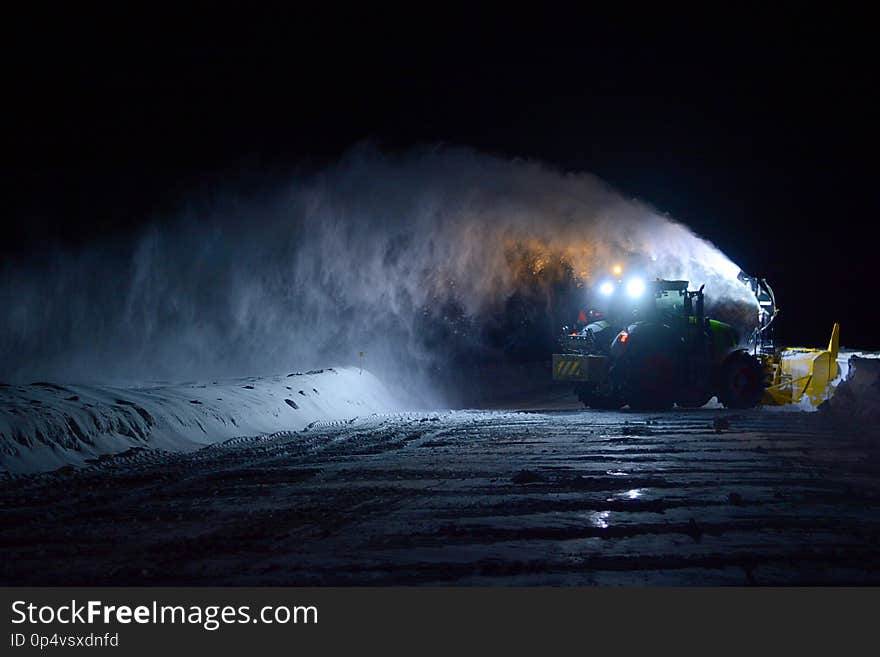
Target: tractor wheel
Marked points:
651	380
597	400
742	381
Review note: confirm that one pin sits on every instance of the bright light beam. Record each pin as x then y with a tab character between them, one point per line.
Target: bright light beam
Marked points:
635	287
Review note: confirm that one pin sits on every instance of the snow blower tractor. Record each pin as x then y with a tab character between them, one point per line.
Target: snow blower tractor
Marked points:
651	347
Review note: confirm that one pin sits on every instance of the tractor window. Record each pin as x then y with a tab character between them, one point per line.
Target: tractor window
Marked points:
670	302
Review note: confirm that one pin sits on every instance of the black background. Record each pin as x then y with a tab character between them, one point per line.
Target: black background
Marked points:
757	129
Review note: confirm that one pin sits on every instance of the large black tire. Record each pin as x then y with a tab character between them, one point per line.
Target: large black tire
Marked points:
596	400
651	380
741	383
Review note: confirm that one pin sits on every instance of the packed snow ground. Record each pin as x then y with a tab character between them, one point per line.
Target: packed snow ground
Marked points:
272	481
694	497
44	426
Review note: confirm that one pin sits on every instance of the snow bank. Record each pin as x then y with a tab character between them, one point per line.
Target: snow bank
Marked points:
858	394
44	426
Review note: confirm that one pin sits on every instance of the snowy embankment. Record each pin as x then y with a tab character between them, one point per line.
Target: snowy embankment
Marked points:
44	426
857	396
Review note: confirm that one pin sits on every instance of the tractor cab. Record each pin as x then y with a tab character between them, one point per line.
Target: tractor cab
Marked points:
671	299
618	305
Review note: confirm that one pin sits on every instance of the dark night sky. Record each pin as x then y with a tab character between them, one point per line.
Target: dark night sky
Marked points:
756	130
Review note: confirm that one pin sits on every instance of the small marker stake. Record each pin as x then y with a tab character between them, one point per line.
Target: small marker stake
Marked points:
362	363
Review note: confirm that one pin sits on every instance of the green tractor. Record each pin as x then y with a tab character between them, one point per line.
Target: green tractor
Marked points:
652	347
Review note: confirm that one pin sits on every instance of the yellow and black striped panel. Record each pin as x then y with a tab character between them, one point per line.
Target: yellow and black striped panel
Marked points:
569	367
566	368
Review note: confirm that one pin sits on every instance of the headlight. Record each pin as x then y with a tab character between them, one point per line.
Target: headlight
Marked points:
606	289
635	287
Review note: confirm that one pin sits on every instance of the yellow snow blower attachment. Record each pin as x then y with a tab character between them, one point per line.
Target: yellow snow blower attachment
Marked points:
796	374
792	374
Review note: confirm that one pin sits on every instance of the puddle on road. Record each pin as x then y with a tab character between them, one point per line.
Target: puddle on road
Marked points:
633	494
599	519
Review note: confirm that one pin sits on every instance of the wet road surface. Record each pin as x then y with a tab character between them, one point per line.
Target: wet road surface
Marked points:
468	498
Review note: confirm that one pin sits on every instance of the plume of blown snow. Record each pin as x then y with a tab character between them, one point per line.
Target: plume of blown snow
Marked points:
407	258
